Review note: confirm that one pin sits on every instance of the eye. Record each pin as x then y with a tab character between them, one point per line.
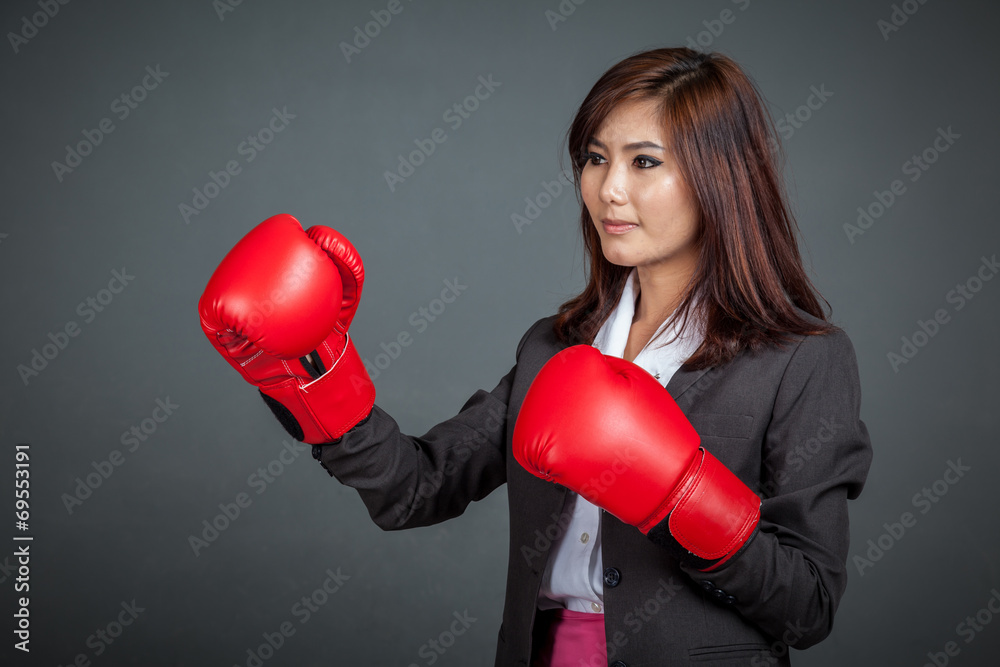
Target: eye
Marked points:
590	158
649	162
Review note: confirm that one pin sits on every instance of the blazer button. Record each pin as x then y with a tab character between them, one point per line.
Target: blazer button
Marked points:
619	663
707	585
612	576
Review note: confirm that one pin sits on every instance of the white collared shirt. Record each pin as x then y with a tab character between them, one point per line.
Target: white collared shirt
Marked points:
574	574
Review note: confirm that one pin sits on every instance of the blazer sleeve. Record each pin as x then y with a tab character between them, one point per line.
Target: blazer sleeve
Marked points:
407	481
815	457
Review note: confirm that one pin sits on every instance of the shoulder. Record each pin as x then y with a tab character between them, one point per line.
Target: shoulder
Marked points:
540	334
835	341
788	344
798	360
827	358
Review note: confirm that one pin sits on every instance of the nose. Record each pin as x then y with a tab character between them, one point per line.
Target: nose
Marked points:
613	188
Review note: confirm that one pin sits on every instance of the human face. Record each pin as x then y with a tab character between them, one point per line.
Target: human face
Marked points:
643	210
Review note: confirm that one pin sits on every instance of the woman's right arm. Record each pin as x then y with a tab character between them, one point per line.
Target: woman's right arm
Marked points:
407	481
267	311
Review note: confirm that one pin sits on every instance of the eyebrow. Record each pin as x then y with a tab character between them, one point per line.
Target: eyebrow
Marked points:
628	147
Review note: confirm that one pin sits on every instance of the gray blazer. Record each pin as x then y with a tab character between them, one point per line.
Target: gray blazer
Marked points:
786	421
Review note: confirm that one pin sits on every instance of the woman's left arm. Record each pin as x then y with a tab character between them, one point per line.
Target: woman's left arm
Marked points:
815	457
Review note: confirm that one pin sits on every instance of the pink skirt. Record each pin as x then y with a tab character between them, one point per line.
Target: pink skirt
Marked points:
567	638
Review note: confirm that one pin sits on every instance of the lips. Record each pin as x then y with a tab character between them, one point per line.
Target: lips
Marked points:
612	226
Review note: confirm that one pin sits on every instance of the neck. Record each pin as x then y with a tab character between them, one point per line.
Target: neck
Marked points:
661	289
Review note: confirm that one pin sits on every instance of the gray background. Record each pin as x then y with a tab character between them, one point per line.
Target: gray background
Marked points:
450	220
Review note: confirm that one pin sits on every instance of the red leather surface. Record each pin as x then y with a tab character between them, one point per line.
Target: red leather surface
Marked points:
606	429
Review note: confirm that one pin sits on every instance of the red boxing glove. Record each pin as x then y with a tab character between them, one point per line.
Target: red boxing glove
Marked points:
281	294
606	429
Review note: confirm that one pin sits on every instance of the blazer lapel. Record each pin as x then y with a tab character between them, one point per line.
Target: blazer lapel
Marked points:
683	380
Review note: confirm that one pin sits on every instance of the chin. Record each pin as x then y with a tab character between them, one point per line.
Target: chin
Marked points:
620	259
617	255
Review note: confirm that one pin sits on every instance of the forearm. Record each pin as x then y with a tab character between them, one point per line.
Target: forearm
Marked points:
408	481
786	584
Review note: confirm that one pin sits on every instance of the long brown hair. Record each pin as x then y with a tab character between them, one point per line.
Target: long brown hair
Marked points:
749	278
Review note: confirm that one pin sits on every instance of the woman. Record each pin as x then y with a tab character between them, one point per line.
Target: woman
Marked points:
724	545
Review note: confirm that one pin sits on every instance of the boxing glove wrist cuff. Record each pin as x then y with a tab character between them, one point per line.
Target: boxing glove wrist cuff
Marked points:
322	410
714	518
